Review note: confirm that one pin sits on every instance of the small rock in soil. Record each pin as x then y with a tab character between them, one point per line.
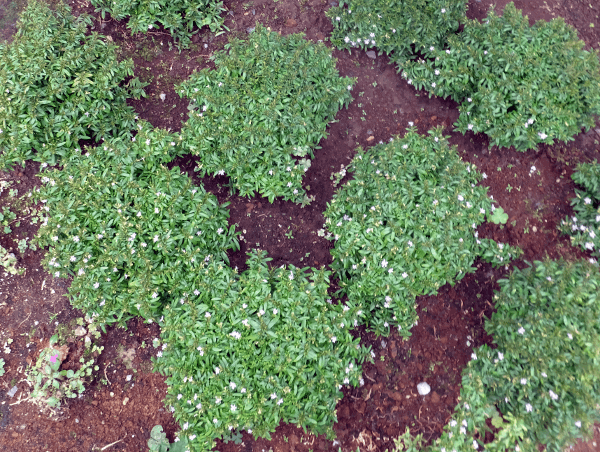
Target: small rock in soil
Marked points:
371	54
435	398
291	23
250	29
423	388
371	138
12	391
80	331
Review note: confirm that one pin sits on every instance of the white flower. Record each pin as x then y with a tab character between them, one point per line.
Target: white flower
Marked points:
404	275
553	396
280	401
528	408
76	239
570	336
470	127
333	339
523	381
521	330
207	315
384	263
349	87
485	52
233	407
179	396
448	52
475	444
473	356
542	135
217	370
587	200
437	72
589	246
578	424
73	259
215	420
410	83
96	285
460	198
433	84
346	39
432	48
410	243
273	396
201	350
443	10
410	123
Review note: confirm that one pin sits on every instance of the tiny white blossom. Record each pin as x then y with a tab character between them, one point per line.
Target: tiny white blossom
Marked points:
384	263
528	408
553	396
521	330
587	200
333	339
523	381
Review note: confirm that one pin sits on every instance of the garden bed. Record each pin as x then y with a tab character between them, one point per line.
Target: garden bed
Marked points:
121	411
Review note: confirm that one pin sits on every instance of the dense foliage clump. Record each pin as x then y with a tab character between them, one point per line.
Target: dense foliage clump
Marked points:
519	85
405	225
584	226
247	351
178	16
126	228
59	86
400	28
542	377
257	116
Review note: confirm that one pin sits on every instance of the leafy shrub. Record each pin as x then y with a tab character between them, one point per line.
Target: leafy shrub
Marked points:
543	375
405	225
60	86
269	101
126	227
584	228
51	386
402	28
519	85
177	16
248	351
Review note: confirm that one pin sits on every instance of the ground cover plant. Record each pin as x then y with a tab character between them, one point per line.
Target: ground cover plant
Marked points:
519	85
180	17
541	375
370	415
247	352
267	104
584	228
128	241
405	225
60	86
402	29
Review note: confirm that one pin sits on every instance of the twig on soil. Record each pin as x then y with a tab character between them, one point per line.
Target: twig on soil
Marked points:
25	318
106	376
111	444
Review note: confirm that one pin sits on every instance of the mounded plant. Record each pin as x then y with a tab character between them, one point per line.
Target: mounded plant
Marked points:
127	228
401	28
60	86
541	384
244	352
405	225
519	85
257	116
178	16
584	228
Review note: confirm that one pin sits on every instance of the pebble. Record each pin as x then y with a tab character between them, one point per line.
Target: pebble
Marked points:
423	388
371	54
12	391
250	29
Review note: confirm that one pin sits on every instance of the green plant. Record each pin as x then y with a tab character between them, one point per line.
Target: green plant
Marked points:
9	262
60	86
584	228
2	371
405	225
158	441
519	85
401	28
498	216
234	436
251	350
52	386
178	16
127	228
258	115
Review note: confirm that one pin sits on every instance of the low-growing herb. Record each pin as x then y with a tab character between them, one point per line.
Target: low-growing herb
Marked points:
405	225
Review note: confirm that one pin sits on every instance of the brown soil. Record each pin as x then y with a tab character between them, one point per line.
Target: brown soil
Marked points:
451	323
